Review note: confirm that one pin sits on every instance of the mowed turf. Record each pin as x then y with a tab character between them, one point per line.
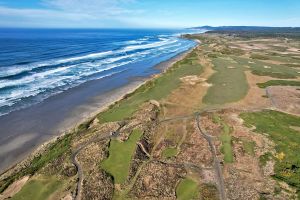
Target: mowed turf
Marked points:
261	68
281	129
187	189
226	140
278	83
157	89
120	155
229	82
38	189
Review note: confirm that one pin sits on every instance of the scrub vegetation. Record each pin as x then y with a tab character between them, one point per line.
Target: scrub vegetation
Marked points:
278	127
279	83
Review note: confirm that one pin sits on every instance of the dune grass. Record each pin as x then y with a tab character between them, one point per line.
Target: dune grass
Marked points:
55	150
120	156
278	82
38	189
157	89
169	152
187	189
279	128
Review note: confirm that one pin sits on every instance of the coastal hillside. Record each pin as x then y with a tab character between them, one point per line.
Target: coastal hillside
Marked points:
221	123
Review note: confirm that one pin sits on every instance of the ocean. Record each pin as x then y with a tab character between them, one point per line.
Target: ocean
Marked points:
51	80
36	64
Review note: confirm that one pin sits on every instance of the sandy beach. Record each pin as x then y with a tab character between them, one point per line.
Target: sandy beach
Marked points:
24	131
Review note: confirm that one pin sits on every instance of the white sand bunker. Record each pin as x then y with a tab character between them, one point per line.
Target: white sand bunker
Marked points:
192	80
250	62
267	67
231	67
206	84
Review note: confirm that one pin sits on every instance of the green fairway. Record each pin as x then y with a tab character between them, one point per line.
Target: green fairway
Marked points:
279	127
38	189
226	140
169	152
156	89
229	83
278	82
187	189
120	155
266	69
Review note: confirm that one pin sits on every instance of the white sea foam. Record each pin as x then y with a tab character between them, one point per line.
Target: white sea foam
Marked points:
77	70
150	45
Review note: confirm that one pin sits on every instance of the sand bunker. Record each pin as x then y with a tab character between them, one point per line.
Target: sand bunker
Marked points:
192	80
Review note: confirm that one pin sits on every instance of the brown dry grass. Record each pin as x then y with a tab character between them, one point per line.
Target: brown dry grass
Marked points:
188	97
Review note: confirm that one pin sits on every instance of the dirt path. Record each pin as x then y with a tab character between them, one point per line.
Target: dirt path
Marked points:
217	166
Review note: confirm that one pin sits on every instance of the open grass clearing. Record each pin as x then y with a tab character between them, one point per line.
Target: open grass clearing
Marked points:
187	189
169	152
278	127
278	83
120	156
156	89
36	189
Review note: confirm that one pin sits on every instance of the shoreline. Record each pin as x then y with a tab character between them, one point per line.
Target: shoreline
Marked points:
68	125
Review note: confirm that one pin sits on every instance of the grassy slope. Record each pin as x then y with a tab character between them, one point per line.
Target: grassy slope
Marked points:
229	84
278	126
57	149
187	189
38	189
278	82
120	155
156	89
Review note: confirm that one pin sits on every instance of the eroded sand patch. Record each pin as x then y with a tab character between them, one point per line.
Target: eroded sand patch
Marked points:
285	98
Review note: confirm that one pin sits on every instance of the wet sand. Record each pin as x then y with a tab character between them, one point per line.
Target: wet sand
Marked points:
24	131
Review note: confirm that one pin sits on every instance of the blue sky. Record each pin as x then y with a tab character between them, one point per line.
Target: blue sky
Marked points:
147	13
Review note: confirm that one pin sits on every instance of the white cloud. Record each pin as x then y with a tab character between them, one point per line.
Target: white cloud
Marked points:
103	8
70	13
